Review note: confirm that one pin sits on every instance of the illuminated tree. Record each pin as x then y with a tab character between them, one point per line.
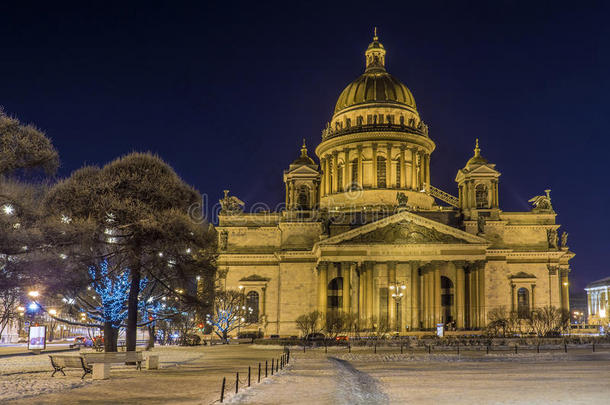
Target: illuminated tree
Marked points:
229	313
135	210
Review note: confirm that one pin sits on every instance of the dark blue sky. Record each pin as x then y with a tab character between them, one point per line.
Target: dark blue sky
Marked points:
225	91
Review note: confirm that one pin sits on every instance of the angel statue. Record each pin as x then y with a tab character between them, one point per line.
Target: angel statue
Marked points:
542	202
231	205
564	239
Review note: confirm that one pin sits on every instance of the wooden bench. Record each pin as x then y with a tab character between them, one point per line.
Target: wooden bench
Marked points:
114	357
61	362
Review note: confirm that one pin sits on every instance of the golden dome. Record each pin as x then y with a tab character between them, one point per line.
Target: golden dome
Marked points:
375	85
477	159
304	159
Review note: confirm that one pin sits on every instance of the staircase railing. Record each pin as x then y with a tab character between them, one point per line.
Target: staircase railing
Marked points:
443	196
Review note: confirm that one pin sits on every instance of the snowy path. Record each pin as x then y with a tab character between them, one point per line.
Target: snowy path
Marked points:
317	379
355	386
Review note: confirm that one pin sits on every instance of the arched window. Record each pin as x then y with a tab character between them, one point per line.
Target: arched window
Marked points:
252	302
381	183
481	196
402	120
340	177
523	302
359	120
303	197
447	298
335	294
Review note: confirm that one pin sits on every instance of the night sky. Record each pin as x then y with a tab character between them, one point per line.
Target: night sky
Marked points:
225	91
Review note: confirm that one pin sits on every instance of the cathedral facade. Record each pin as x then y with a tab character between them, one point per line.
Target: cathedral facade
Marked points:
365	233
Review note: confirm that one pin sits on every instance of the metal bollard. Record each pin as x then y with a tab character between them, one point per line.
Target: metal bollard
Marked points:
222	390
259	372
401	348
277	365
429	349
565	347
325	348
272	366
458	349
516	348
248	376
375	348
266	374
236	382
303	348
487	349
538	348
593	347
349	348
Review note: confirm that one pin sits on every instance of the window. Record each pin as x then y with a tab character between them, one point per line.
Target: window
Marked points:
355	173
381	183
481	196
369	119
359	120
447	299
340	177
402	120
523	302
398	174
252	307
390	119
335	294
303	198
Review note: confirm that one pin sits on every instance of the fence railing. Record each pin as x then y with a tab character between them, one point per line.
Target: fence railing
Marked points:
276	363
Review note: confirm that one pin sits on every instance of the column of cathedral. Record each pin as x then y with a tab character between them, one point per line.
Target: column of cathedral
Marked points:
421	307
360	170
414	169
346	172
403	169
334	187
388	167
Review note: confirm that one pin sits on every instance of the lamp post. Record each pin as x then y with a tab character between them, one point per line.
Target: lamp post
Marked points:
397	291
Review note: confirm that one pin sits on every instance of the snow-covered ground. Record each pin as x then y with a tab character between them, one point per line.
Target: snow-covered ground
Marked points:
25	376
367	378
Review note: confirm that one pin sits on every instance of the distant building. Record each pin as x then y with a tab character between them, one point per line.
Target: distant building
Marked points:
597	301
365	233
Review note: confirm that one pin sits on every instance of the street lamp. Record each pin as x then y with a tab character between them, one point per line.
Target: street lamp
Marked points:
397	289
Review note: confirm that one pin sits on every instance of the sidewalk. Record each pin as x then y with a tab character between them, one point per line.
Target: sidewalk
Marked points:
194	382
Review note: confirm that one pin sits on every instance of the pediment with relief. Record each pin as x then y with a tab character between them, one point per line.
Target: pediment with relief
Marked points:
404	228
404	232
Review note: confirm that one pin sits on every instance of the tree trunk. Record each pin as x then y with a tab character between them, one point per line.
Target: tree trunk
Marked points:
132	310
111	336
151	337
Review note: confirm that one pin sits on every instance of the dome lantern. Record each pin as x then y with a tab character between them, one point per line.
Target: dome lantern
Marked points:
375	55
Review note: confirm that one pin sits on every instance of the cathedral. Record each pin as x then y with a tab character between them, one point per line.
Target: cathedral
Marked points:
364	232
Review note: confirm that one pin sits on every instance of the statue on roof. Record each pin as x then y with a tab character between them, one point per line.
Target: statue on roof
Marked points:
542	202
231	205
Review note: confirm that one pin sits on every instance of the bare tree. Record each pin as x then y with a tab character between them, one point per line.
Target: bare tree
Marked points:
309	323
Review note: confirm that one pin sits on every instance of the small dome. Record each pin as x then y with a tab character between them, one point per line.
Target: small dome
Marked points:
375	87
477	159
304	159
